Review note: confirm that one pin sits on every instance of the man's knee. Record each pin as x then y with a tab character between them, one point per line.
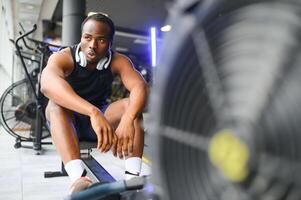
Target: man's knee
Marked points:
53	109
125	104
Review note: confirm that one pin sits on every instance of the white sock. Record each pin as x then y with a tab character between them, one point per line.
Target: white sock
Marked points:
74	169
133	166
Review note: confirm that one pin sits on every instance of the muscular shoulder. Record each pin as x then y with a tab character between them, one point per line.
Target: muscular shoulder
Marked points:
62	60
119	62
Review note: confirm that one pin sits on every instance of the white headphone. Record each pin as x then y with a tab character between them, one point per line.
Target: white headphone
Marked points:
103	63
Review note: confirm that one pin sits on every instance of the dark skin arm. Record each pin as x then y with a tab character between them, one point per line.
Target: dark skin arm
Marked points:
57	89
137	86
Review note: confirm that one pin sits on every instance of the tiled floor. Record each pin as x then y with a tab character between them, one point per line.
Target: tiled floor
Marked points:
22	172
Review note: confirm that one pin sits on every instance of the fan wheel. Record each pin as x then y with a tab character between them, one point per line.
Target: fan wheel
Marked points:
226	105
18	111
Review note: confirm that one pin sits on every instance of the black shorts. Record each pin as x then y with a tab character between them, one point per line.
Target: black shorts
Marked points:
83	126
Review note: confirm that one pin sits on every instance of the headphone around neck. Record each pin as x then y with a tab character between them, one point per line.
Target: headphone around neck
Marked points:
103	63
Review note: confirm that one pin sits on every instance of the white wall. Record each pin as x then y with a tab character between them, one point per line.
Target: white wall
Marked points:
6	47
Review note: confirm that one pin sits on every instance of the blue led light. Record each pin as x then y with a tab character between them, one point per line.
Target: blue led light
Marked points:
154	46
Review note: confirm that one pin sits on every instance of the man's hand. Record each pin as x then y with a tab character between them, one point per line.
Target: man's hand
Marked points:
105	134
125	133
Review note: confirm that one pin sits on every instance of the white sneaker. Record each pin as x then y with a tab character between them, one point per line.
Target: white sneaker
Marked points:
129	175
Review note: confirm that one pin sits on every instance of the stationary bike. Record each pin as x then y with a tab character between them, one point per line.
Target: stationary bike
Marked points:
22	105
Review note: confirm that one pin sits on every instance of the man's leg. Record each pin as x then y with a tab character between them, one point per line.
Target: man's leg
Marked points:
65	139
63	132
113	114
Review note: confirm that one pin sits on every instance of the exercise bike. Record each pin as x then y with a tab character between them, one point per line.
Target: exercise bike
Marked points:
22	105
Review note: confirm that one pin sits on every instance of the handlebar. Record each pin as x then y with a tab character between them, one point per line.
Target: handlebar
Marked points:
34	28
25	44
37	42
44	43
21	37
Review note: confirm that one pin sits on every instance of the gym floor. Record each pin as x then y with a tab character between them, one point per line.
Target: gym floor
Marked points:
22	172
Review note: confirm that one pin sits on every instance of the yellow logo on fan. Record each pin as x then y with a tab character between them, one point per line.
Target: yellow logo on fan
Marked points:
230	155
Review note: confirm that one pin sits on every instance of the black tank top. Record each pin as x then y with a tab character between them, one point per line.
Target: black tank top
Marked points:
94	86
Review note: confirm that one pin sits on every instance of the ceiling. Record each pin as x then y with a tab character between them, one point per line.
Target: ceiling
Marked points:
132	18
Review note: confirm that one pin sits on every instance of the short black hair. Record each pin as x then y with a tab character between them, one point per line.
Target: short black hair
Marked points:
101	18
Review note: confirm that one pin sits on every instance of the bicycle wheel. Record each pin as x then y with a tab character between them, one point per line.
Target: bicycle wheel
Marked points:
18	111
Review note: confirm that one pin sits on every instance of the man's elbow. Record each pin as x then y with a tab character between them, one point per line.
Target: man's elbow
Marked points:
44	91
144	88
44	86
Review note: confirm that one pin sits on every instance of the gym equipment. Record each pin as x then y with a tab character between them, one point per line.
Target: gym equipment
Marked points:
225	108
100	191
22	104
18	112
105	187
95	171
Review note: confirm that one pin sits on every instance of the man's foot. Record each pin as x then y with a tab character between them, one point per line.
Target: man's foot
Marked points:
80	184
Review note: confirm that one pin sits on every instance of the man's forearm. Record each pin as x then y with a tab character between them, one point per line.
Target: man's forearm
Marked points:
61	93
137	100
